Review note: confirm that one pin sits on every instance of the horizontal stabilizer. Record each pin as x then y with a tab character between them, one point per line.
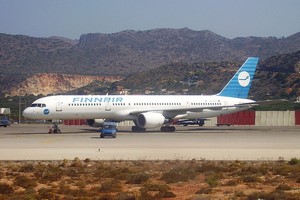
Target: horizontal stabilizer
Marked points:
262	103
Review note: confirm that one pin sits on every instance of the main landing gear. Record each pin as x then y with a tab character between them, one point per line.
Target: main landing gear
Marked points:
167	129
137	129
54	129
162	129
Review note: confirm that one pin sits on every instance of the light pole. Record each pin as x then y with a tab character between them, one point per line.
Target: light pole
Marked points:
19	109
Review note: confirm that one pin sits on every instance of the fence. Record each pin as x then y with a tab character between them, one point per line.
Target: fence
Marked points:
257	118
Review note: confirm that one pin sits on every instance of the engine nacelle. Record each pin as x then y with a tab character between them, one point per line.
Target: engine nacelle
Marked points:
95	122
150	120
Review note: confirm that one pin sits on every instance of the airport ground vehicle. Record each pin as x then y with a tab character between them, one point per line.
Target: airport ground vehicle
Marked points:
108	129
199	122
4	122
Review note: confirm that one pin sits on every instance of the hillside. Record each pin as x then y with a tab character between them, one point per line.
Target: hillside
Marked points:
44	84
189	61
127	52
274	78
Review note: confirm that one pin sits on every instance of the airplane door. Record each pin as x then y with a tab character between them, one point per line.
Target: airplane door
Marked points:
59	106
188	103
108	106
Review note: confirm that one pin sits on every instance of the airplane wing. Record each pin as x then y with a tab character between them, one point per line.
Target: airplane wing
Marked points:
174	112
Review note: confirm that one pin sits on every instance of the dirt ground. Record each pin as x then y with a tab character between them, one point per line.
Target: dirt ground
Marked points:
129	180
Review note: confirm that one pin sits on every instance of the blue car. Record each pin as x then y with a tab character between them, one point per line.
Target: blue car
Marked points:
4	122
109	129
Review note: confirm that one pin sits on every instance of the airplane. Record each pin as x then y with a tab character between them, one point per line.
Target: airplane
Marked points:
149	111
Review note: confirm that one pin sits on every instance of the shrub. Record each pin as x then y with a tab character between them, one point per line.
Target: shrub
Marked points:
77	193
156	187
25	182
255	168
29	167
155	191
111	186
179	174
211	166
138	178
105	197
232	182
51	173
125	196
76	163
256	195
6	189
294	161
251	179
212	180
283	187
204	190
122	173
64	163
273	195
44	193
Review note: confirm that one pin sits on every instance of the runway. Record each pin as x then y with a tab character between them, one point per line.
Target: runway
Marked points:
32	142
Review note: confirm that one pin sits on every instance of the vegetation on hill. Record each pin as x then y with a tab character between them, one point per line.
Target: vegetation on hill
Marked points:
210	78
127	52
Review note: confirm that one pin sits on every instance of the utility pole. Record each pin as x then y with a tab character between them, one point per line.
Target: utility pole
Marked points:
19	109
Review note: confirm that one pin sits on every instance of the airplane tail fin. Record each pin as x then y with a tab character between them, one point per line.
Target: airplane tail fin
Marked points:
240	83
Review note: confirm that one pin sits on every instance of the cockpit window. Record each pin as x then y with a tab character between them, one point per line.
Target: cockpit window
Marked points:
38	105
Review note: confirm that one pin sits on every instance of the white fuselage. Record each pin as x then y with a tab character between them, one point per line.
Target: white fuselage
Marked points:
122	107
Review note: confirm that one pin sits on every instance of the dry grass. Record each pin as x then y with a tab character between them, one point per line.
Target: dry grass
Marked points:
130	180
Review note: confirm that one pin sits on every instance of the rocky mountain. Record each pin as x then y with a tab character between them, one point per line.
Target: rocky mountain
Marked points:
127	52
24	58
50	83
276	77
271	80
286	63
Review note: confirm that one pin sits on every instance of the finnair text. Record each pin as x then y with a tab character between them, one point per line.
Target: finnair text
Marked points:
97	99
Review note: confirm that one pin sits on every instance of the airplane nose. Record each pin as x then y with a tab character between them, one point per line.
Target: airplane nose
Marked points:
27	113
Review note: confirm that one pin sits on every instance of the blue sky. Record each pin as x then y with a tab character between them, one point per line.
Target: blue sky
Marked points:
71	18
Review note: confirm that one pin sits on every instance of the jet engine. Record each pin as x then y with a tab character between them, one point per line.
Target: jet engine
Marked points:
150	120
95	122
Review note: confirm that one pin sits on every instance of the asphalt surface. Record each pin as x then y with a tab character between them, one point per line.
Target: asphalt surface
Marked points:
32	142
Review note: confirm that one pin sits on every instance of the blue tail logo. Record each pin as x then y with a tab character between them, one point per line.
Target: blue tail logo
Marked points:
240	83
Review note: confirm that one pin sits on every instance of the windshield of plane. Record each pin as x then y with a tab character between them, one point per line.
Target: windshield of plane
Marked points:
38	105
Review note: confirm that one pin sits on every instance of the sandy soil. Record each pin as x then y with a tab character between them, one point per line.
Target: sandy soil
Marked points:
125	180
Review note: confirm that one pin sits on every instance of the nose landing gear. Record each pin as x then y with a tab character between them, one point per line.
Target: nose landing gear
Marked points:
54	129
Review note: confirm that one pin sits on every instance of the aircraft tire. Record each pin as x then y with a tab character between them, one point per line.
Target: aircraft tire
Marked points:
167	129
137	129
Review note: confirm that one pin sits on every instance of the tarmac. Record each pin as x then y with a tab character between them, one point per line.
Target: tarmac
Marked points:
32	142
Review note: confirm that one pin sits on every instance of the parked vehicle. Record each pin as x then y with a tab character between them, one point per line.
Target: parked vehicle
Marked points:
109	129
199	122
4	122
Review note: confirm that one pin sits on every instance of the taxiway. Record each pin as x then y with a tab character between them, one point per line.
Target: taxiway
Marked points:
32	142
